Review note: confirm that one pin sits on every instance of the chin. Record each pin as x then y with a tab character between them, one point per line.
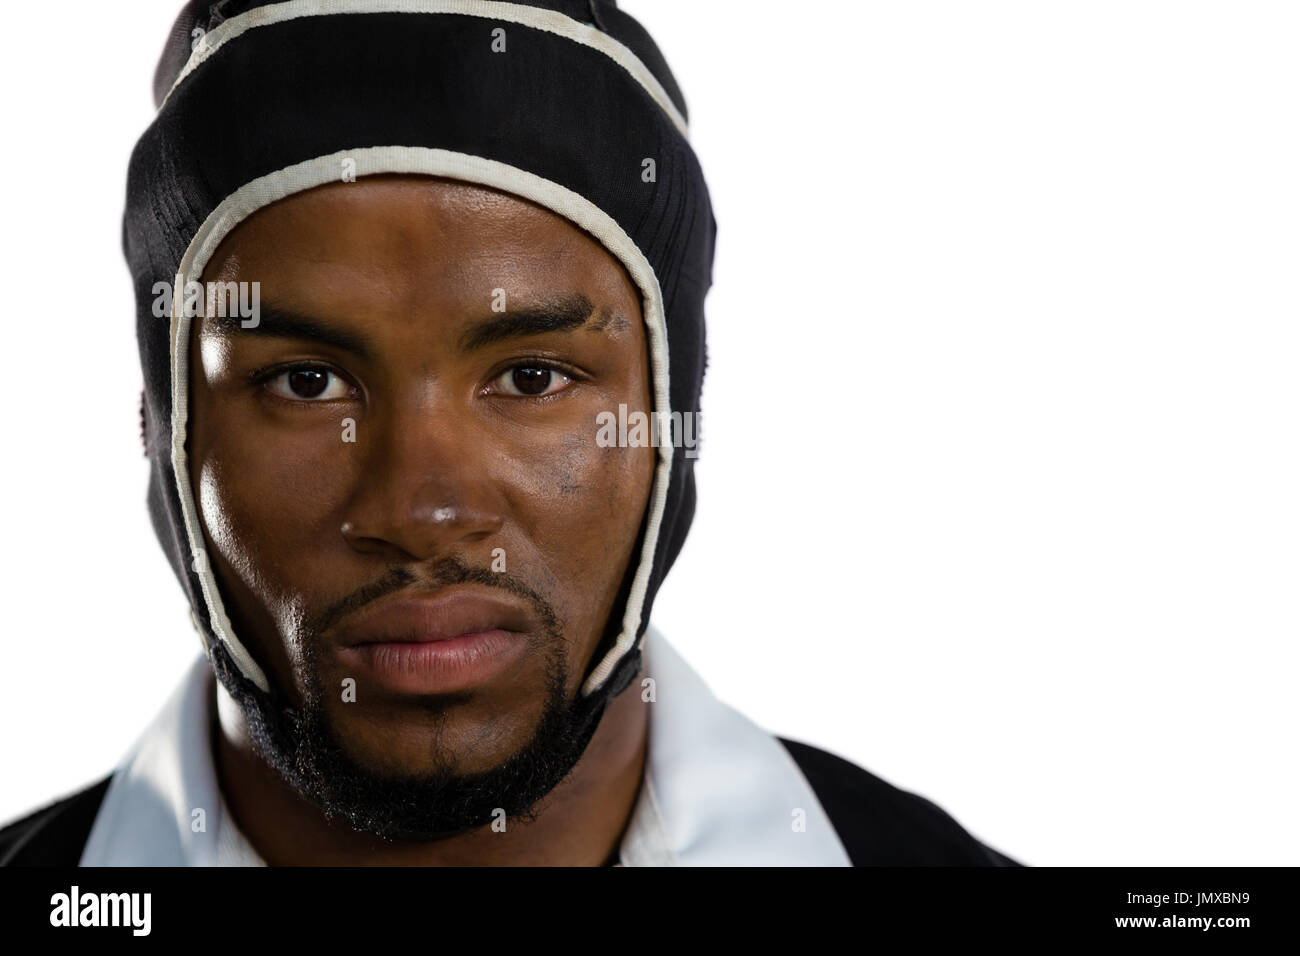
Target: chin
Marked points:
422	739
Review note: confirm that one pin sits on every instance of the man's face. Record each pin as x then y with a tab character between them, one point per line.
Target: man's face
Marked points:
404	447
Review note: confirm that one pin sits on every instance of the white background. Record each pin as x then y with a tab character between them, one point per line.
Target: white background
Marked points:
998	495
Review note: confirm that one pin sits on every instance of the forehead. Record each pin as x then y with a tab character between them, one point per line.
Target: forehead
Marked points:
415	234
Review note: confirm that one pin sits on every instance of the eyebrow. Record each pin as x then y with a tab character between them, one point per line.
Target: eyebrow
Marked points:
281	323
557	315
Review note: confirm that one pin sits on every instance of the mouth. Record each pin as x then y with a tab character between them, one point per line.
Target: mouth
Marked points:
457	640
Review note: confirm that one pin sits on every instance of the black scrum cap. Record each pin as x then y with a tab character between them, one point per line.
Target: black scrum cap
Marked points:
260	100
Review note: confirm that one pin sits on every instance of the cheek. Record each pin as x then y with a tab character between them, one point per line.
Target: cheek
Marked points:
236	523
264	506
583	515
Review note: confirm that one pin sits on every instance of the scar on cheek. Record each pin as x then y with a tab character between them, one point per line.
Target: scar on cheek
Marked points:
567	483
568	466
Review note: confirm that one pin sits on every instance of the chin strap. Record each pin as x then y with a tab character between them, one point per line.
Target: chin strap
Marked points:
622	674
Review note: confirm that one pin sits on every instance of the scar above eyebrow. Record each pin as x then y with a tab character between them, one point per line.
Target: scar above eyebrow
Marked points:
608	319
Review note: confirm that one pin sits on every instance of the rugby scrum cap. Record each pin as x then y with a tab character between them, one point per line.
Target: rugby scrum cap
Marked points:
566	103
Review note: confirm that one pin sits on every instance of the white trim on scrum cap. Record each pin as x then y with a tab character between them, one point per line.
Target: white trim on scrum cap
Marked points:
267	189
552	21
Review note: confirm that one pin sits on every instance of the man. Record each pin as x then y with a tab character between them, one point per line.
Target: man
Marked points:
451	244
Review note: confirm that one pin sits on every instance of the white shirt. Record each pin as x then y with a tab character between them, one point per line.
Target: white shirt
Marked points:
718	790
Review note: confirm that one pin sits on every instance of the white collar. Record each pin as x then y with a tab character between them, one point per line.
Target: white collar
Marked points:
718	789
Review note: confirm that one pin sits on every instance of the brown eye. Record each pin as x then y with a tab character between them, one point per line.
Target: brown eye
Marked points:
309	383
531	381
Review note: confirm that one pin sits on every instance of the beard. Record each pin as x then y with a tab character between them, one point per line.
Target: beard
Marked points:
301	743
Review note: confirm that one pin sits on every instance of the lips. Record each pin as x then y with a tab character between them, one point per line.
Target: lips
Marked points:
454	642
449	615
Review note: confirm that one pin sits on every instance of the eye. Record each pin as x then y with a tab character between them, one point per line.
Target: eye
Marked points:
530	381
309	383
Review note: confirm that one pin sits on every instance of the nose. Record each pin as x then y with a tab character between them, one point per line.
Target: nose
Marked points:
424	489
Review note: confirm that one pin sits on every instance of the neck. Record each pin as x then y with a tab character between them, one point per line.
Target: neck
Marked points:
579	823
